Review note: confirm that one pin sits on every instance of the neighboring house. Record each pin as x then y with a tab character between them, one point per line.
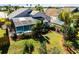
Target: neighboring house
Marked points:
74	10
53	13
55	20
2	8
23	20
3	15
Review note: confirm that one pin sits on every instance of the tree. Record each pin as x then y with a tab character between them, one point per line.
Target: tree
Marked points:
9	8
39	8
37	28
16	7
71	31
29	47
66	16
8	23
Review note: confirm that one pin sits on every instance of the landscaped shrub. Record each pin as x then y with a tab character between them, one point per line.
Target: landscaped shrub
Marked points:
23	36
68	43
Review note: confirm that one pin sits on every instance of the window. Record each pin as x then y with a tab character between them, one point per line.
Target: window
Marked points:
27	27
19	29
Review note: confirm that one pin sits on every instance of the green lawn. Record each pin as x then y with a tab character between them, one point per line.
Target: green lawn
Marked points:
17	47
55	40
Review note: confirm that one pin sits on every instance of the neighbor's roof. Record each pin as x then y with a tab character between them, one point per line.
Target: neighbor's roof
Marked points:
22	12
55	20
21	21
52	12
75	10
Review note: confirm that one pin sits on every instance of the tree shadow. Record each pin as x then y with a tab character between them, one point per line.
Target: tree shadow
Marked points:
4	49
43	40
4	45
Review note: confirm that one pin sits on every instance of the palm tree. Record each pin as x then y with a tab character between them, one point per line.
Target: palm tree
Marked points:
37	28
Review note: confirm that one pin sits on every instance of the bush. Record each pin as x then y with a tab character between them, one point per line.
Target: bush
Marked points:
68	43
52	27
29	47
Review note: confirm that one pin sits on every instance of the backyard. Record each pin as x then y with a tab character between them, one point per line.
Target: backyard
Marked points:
55	42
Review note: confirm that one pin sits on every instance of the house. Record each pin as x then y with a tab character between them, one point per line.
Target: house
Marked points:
3	15
41	16
22	12
54	20
23	25
53	13
74	10
23	20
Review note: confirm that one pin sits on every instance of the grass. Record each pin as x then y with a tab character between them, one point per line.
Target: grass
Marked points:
18	46
55	40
